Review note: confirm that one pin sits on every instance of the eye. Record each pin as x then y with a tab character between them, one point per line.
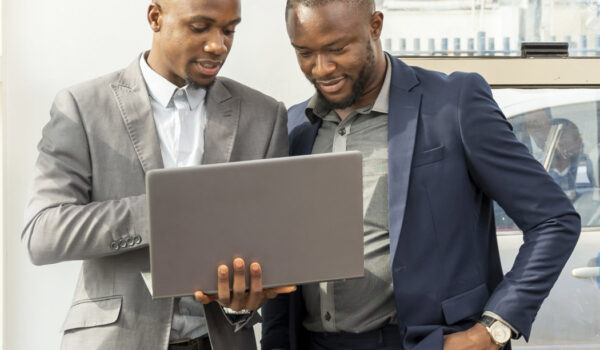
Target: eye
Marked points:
304	54
338	50
229	32
196	29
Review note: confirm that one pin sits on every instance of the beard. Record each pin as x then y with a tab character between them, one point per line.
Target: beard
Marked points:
358	88
191	83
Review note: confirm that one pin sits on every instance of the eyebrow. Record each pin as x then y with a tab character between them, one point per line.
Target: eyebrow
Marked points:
212	20
330	44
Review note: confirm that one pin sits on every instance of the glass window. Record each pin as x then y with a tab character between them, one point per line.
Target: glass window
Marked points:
561	130
488	27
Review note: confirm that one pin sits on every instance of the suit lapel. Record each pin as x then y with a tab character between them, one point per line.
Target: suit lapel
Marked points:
222	118
303	143
405	102
134	104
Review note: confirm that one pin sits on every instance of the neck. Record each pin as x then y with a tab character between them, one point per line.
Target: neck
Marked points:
157	64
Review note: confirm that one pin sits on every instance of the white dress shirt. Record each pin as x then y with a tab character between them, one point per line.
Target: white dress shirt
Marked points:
180	119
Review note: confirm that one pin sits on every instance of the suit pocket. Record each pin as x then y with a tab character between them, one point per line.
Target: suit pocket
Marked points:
430	156
93	313
463	305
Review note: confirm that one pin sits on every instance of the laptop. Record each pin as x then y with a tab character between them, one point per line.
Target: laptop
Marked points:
300	217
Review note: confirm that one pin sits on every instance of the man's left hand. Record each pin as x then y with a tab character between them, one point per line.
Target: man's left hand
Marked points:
474	338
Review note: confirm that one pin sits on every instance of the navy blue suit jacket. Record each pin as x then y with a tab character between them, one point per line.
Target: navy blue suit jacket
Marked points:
451	152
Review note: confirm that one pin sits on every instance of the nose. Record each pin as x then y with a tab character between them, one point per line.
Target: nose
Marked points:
323	67
215	44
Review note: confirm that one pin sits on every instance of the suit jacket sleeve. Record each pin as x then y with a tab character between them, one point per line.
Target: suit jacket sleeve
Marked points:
61	221
278	145
504	170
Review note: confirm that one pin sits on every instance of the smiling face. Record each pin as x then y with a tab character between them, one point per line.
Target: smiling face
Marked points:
338	49
192	38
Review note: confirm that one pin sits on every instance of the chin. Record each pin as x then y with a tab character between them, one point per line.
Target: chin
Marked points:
204	82
338	102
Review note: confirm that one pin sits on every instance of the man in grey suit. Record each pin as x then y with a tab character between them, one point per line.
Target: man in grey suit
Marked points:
166	109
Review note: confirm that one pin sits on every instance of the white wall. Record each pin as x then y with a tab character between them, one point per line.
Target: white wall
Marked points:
53	44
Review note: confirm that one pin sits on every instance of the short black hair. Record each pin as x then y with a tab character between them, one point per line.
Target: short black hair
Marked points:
366	5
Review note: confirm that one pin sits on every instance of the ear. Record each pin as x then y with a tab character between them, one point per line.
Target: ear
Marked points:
155	17
376	25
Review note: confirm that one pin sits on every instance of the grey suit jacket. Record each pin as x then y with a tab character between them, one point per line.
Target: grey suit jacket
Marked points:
88	201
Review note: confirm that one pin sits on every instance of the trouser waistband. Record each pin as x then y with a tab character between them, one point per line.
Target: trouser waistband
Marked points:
378	338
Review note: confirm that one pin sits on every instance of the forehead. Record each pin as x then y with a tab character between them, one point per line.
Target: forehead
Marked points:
322	23
219	10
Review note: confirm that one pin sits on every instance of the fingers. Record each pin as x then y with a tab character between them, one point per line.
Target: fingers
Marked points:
273	292
203	298
223	285
256	290
239	285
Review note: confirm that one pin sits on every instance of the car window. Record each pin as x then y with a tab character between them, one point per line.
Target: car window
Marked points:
561	130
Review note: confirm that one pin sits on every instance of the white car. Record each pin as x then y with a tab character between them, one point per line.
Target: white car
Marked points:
562	130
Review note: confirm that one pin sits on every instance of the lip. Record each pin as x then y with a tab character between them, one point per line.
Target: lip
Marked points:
331	86
208	67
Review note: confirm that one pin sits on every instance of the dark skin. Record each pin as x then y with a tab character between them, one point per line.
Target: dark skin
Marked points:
332	52
331	47
191	41
192	38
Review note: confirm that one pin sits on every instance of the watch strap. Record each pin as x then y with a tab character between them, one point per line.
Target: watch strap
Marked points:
487	320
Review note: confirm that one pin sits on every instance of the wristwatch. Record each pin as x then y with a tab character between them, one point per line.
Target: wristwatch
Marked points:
498	330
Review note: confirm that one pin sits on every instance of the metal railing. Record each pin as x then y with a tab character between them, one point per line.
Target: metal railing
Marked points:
480	46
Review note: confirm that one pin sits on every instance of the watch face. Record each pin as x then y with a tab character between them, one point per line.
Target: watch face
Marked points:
500	332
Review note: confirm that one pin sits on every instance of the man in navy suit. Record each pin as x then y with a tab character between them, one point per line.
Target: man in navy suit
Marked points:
436	151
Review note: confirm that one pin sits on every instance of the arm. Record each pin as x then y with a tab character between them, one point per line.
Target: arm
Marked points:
504	170
278	145
61	221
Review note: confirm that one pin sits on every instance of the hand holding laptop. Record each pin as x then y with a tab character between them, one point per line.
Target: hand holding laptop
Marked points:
237	298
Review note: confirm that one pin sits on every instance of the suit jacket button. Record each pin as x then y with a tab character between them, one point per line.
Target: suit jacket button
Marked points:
327	316
114	245
137	239
122	243
130	241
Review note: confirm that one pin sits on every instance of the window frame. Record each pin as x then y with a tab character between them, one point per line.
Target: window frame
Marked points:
519	73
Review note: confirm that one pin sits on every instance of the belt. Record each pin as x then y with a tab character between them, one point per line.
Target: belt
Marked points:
200	343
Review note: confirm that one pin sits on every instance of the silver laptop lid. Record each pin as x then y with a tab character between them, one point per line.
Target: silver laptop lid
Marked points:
300	217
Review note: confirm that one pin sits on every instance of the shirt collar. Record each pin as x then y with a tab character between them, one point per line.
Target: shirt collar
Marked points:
317	108
162	90
382	103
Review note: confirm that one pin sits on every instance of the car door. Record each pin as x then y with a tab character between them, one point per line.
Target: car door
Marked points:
562	133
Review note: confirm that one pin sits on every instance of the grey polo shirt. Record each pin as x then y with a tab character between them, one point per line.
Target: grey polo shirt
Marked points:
358	305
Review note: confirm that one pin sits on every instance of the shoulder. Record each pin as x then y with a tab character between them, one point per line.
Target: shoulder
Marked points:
297	115
93	90
430	79
248	95
98	83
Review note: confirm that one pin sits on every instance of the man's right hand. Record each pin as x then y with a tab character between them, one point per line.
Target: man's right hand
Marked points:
238	298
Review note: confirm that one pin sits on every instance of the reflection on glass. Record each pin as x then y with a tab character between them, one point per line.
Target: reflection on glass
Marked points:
488	27
561	130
